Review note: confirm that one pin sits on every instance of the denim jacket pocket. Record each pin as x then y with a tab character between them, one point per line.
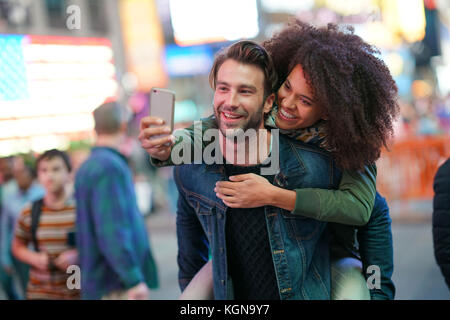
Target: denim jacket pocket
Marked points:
299	227
205	212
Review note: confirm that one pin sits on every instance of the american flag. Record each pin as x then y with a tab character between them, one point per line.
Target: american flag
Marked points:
49	87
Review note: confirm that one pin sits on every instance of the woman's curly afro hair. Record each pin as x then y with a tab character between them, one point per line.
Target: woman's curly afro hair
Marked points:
354	88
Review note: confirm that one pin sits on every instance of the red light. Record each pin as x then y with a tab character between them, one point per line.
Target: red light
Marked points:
429	4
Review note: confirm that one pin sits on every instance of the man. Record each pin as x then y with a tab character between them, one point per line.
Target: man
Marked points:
441	219
115	256
265	252
49	230
16	194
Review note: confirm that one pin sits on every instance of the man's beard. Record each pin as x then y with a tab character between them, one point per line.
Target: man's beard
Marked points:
254	122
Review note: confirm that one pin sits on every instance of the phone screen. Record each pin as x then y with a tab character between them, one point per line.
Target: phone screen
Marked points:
162	102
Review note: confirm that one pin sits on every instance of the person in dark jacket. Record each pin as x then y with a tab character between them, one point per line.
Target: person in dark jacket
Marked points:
441	219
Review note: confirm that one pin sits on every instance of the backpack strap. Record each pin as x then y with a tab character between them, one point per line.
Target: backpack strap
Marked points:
36	210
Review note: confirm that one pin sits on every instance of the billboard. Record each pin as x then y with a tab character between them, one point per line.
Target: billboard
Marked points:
204	21
49	86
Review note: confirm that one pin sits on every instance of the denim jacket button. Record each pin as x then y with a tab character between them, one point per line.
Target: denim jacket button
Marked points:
220	215
222	282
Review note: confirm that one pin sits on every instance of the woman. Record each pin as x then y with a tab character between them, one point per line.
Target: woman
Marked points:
336	94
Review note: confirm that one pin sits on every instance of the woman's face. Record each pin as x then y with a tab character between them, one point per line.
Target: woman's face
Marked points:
296	107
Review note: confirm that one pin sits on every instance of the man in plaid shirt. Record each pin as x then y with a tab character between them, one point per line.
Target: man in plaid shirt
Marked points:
114	251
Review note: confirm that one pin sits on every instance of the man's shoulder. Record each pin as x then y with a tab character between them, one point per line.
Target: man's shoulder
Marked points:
187	170
100	162
302	146
191	176
305	155
443	171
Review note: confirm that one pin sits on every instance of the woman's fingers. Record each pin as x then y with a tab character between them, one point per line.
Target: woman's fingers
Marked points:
227	184
241	177
225	191
226	199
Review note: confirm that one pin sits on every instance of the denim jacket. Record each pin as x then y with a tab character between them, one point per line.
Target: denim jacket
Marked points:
299	245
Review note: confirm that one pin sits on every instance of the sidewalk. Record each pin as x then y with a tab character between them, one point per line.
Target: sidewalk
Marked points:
163	241
416	274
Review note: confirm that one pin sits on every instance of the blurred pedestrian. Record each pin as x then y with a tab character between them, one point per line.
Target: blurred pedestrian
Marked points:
6	183
115	256
441	219
16	194
49	225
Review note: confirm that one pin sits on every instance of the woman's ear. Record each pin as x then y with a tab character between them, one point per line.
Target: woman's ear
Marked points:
268	104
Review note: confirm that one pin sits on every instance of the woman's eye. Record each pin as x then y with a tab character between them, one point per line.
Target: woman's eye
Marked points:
286	85
306	102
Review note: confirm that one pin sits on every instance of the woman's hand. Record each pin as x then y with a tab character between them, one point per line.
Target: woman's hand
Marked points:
245	191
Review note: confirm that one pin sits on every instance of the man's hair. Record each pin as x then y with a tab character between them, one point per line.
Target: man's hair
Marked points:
108	118
349	83
247	52
54	153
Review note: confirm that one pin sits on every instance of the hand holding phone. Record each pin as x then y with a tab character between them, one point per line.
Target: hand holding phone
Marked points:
155	130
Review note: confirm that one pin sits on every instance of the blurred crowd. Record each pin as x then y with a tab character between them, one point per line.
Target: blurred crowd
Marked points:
20	185
426	116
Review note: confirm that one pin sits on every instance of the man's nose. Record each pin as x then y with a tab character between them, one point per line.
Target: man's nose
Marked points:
232	100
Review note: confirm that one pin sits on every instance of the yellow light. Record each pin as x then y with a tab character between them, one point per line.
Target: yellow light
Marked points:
412	19
421	89
378	34
395	63
350	7
406	17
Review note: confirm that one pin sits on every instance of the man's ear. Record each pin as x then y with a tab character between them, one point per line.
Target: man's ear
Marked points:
268	104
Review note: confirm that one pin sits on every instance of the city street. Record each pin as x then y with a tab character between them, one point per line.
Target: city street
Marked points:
416	274
348	82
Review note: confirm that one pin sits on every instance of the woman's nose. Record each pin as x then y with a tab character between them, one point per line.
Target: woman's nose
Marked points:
288	103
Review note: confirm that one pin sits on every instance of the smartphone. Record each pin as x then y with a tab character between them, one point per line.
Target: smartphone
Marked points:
162	105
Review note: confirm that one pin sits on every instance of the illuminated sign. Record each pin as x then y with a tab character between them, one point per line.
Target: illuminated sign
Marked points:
288	6
143	41
49	87
188	61
203	21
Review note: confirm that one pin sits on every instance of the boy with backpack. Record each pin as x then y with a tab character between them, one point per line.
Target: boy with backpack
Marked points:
49	225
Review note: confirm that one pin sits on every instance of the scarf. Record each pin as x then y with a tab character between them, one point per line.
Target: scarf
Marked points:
314	134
